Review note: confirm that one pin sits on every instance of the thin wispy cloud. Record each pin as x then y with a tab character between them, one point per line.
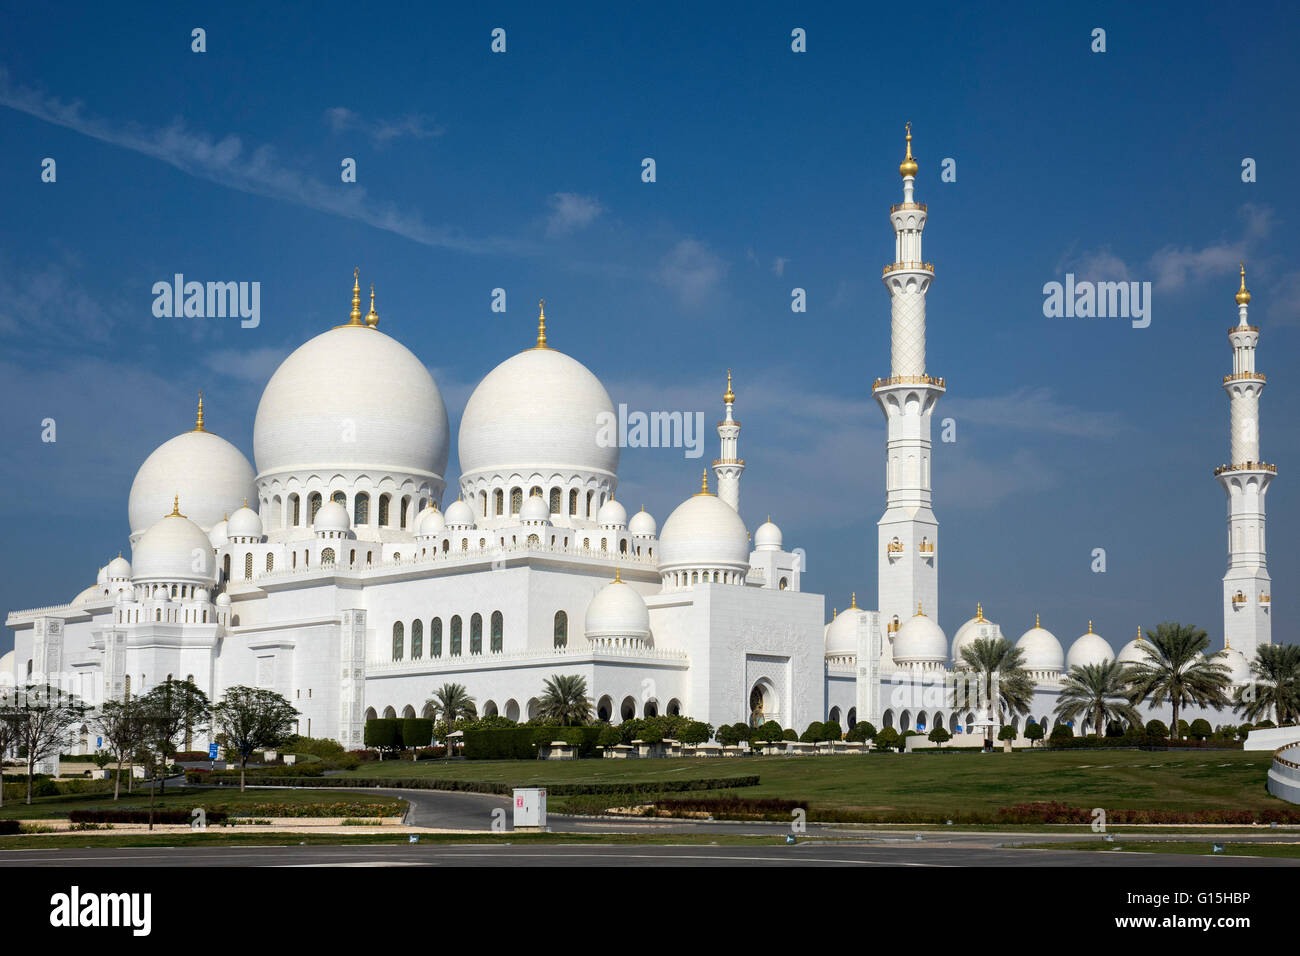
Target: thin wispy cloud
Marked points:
1033	410
381	131
571	212
256	170
692	271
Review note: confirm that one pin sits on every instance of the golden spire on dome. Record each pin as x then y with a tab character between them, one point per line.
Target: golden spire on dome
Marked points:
918	609
198	419
1243	294
1090	627
616	575
979	611
854	602
729	397
704	483
541	323
908	166
355	317
1037	623
372	317
1139	632
176	507
835	612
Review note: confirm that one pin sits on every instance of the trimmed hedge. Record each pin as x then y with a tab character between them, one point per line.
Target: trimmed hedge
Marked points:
1140	742
142	816
520	743
484	786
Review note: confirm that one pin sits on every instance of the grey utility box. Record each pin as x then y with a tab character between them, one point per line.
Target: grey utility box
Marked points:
530	808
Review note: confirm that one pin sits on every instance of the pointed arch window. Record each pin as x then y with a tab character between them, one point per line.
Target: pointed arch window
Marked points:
406	506
248	566
573	501
557	500
383	510
498	627
270	562
516	500
435	637
417	639
476	634
361	509
561	633
500	497
295	501
455	636
341	498
397	640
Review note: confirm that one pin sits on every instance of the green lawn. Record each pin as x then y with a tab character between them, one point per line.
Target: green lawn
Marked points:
1288	851
187	798
948	783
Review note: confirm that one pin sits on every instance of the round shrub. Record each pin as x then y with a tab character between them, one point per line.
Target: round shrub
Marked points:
862	731
813	733
831	730
1157	728
1062	732
1201	728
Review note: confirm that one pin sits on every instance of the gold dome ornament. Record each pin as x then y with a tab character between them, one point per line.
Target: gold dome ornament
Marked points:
372	317
704	484
198	419
908	166
541	323
354	318
729	397
1243	294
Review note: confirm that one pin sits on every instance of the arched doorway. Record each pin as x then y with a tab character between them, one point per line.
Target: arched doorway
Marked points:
627	709
604	709
763	704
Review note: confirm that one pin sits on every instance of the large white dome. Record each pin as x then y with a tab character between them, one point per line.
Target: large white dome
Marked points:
538	411
174	550
352	398
704	532
842	633
211	476
1132	652
977	627
1238	666
1088	649
920	640
1042	651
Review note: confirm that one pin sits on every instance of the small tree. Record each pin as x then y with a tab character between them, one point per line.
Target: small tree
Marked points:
887	739
1007	733
1201	728
1062	732
695	732
831	730
768	731
609	736
173	711
122	725
1157	729
41	717
812	733
8	733
939	736
564	699
383	734
861	732
450	703
1035	732
417	732
251	717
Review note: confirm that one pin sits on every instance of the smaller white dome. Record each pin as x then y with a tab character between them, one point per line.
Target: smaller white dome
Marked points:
842	633
704	531
767	537
617	611
611	515
245	523
977	627
174	549
223	599
1088	649
1238	666
460	515
217	536
920	640
1132	652
202	595
430	521
536	509
102	577
331	518
643	523
119	569
1041	650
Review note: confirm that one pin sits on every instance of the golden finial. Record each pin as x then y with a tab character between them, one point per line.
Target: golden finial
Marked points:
1090	627
918	609
616	575
1037	623
198	419
1243	296
541	323
372	317
704	482
355	317
979	611
908	166
834	613
1227	644
729	396
1139	632
854	602
176	507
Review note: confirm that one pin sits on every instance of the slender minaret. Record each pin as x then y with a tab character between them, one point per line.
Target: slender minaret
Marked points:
727	468
909	533
1247	593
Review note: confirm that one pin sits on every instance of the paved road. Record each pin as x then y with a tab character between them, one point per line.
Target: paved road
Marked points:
426	854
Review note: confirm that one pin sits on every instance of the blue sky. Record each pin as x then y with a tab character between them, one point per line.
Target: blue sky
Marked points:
775	170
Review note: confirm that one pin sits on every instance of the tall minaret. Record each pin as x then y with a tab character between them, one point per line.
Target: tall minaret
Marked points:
1247	594
728	467
909	532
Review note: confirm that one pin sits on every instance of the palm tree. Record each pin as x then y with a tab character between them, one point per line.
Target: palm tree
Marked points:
1176	669
1099	691
1276	688
565	700
998	669
450	703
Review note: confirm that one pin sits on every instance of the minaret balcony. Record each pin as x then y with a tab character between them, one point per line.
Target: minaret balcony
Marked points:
1243	328
907	380
909	266
729	461
926	549
898	207
1245	376
1239	600
1247	466
1265	599
894	550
